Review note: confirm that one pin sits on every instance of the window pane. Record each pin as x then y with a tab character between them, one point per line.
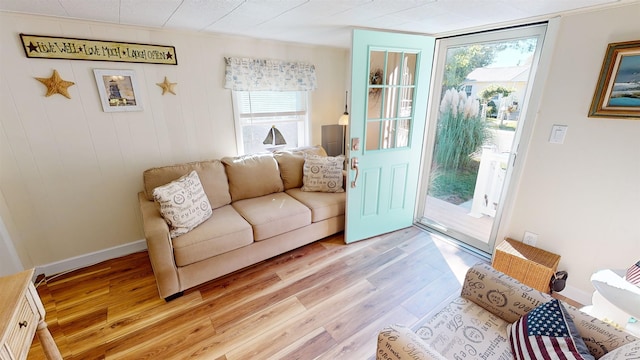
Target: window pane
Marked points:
390	103
390	100
260	102
374	110
406	101
256	112
387	134
393	68
376	65
402	139
409	69
482	85
254	135
373	135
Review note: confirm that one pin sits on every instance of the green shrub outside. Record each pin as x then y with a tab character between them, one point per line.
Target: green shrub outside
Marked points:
460	133
454	186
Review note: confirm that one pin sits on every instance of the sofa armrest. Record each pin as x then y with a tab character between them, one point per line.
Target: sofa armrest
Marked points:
499	293
600	337
399	342
625	352
160	248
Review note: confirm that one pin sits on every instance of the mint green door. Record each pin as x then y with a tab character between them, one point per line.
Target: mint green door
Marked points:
390	78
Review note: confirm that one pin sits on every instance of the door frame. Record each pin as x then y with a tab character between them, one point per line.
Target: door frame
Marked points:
522	138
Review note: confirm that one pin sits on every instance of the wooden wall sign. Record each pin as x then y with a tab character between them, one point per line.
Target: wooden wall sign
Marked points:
51	47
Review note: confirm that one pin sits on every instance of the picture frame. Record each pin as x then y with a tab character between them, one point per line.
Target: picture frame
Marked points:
118	90
617	93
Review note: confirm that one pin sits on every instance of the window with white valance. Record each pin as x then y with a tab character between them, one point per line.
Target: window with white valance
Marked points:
266	94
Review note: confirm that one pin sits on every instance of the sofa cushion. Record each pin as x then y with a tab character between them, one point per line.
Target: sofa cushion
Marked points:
322	173
399	342
183	204
273	214
464	327
547	332
291	161
322	205
252	176
223	232
211	174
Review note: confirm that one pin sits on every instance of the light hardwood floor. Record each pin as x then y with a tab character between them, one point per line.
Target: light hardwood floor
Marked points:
326	300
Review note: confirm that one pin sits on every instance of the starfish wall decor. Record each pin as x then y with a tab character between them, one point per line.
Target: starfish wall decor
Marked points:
55	85
167	86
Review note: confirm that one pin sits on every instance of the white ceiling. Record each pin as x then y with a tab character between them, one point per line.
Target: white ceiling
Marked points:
321	22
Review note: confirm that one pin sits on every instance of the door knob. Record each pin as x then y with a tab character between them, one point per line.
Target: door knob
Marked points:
354	166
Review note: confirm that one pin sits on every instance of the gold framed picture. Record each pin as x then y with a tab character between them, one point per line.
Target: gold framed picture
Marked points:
617	93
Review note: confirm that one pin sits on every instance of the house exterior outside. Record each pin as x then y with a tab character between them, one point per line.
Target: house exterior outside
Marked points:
512	77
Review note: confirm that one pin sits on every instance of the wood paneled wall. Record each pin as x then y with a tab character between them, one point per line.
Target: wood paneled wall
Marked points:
70	172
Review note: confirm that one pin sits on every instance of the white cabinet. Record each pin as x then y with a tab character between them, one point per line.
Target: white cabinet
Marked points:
21	317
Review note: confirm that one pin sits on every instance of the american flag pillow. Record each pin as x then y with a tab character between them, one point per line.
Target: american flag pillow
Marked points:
547	332
633	274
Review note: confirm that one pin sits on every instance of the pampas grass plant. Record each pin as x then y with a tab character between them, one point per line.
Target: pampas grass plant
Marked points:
461	131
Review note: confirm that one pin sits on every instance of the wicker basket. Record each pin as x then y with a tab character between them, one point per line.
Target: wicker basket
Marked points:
530	265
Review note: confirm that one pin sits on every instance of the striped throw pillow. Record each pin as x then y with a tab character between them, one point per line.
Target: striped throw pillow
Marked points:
547	332
633	274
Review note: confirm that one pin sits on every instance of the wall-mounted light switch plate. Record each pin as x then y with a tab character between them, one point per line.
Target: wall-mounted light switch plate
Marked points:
558	132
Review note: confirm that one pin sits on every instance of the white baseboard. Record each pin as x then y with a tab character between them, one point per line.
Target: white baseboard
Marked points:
90	259
576	294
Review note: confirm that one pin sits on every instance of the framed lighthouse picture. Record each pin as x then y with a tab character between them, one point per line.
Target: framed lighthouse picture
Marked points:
118	90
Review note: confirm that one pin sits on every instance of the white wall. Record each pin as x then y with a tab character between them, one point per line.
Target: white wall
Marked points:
70	173
583	197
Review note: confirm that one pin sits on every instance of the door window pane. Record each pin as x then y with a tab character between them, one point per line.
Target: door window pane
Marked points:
406	102
394	63
373	135
409	69
374	109
390	101
402	139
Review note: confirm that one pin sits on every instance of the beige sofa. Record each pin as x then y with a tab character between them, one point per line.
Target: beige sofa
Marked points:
259	211
475	325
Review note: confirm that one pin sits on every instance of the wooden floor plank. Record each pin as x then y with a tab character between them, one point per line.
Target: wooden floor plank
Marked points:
309	347
165	341
362	344
426	299
326	300
343	281
243	333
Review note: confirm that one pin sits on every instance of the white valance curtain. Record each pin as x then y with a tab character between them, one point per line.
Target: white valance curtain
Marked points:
248	74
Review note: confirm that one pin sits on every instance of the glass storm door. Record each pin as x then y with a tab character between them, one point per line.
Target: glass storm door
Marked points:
479	100
390	83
